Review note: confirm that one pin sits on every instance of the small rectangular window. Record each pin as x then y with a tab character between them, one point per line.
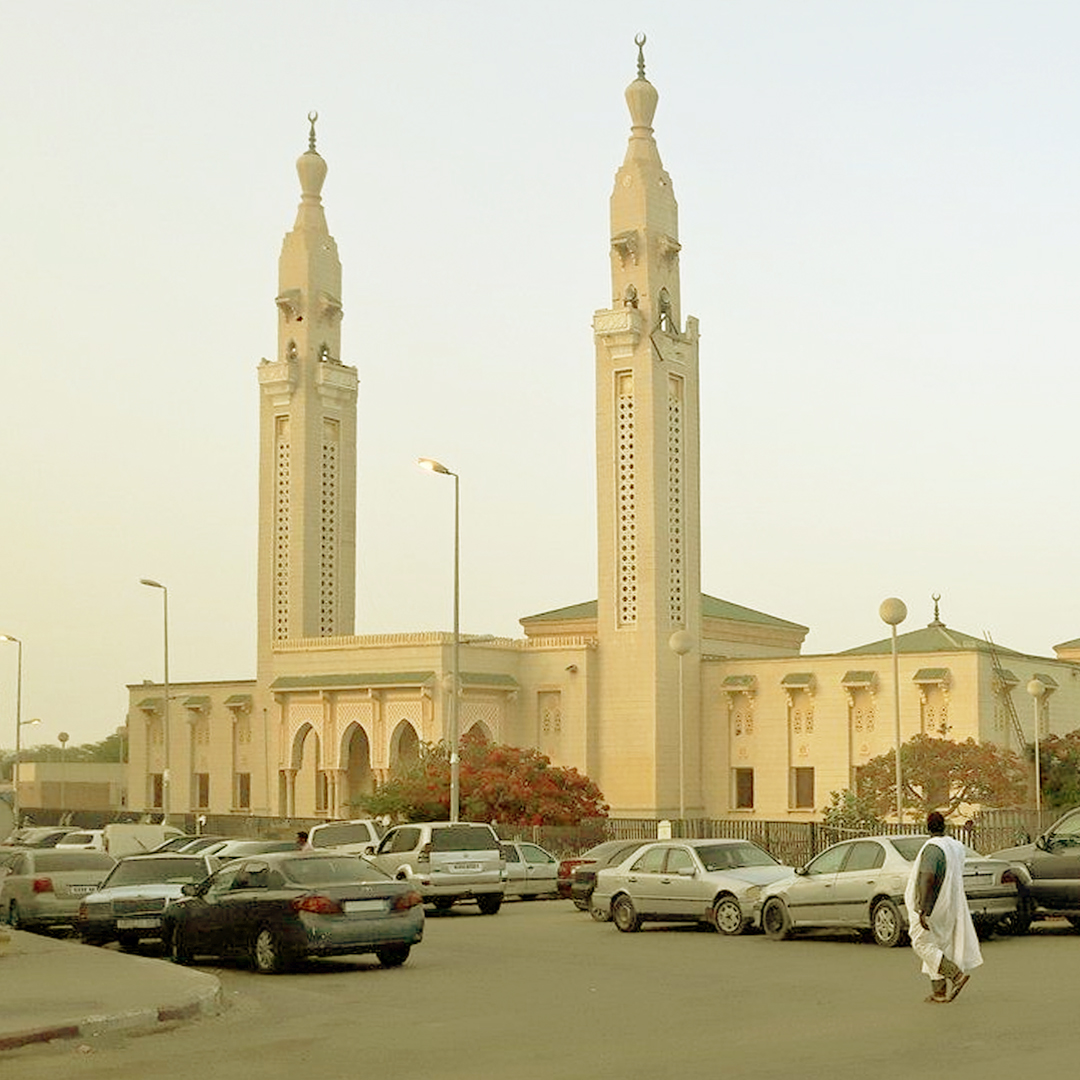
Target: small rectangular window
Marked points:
202	790
157	790
744	789
243	791
802	788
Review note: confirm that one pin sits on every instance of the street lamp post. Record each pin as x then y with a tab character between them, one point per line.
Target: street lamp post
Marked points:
455	669
894	612
680	643
19	725
63	740
1036	688
165	779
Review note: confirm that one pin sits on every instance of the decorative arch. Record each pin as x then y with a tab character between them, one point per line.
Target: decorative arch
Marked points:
355	761
309	794
479	730
404	746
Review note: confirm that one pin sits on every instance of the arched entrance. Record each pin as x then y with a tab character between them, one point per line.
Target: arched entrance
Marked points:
358	779
404	747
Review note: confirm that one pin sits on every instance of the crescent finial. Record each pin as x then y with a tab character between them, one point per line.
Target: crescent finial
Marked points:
312	117
639	41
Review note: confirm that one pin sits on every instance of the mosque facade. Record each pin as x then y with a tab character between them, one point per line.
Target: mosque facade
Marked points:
678	704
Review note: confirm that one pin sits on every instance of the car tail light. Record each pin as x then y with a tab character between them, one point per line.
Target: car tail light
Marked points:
425	853
43	884
1010	878
407	900
317	905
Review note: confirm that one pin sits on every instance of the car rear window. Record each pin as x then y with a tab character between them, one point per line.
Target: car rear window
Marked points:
338	870
146	871
78	838
55	861
909	846
463	838
734	856
352	833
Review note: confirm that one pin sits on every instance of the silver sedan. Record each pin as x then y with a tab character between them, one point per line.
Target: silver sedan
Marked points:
859	885
709	881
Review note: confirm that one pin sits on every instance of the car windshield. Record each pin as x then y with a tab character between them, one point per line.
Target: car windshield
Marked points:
463	838
734	856
339	870
149	871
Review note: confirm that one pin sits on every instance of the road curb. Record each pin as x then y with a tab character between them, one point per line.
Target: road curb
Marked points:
207	1001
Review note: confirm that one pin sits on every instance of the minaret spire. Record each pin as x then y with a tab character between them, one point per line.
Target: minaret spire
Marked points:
648	513
307	484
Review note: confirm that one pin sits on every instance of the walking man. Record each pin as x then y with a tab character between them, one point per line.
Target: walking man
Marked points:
939	921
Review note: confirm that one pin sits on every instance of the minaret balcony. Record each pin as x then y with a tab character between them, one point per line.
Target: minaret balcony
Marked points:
278	379
620	329
336	382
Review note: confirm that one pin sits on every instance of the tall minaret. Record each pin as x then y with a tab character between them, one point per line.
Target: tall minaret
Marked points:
307	439
648	494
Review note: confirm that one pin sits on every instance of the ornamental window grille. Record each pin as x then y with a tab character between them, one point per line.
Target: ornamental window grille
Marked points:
282	527
676	503
550	706
626	502
328	526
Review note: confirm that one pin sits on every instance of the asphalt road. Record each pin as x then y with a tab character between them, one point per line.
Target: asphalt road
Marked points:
541	991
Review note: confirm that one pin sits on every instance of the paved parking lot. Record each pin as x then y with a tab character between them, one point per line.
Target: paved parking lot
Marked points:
542	991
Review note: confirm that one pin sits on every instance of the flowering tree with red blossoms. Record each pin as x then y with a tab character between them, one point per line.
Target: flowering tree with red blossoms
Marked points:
505	784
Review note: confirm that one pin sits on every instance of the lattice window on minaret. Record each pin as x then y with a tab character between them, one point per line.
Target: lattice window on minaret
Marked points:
549	703
676	504
626	499
329	527
282	526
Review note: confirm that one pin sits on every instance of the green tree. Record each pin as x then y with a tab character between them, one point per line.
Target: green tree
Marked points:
504	784
940	774
850	811
1059	768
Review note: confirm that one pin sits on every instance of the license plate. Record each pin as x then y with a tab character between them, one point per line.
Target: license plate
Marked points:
138	924
83	889
354	907
465	867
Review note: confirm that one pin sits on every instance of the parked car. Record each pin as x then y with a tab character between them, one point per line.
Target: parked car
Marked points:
583	877
859	885
131	900
601	854
708	881
446	862
356	837
44	887
1049	873
224	850
281	907
38	836
530	870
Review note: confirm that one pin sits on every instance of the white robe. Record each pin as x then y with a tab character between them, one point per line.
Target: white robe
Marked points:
951	933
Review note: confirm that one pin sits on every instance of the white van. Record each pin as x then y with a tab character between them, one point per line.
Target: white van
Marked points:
355	837
119	839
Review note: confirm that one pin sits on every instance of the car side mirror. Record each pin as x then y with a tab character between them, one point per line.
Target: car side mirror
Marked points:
369	849
1044	843
801	871
686	871
190	889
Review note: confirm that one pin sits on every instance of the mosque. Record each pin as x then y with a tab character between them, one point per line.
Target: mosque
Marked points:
678	704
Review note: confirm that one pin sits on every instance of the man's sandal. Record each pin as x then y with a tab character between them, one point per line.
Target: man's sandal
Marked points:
957	984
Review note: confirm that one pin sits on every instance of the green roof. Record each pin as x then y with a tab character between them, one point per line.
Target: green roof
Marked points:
238	699
384	678
712	607
931	674
797	678
196	701
858	678
933	638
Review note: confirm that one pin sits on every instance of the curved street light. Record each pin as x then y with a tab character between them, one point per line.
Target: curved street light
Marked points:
431	465
20	723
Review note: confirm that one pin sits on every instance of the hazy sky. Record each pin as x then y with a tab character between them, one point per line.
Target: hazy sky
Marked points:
879	220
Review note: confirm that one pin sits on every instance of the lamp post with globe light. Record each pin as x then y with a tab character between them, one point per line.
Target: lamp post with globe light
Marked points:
1036	688
680	643
893	612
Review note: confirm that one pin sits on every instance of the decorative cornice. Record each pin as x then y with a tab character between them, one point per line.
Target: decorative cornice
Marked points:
625	246
278	380
290	304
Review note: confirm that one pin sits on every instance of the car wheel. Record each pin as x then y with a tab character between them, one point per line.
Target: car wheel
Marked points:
393	955
180	947
128	942
600	914
775	920
624	914
443	903
93	939
1019	921
489	903
727	916
887	924
268	952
